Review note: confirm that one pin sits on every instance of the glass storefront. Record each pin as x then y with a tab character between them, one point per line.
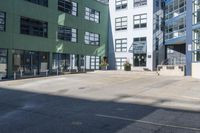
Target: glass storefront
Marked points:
61	62
139	51
29	62
140	60
3	63
92	62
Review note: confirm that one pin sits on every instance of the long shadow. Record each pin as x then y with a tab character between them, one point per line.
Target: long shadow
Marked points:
29	112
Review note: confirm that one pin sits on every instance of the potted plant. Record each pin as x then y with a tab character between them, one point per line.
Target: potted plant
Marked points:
127	66
104	65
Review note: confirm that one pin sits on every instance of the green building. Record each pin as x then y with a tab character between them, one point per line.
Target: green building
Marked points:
46	36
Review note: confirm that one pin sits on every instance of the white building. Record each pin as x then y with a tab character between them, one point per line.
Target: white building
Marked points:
136	22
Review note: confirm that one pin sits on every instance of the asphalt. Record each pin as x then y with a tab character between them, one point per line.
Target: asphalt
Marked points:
101	102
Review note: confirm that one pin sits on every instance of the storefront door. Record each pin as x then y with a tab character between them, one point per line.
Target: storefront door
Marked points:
140	60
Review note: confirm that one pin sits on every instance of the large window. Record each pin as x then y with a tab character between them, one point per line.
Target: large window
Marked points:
196	11
2	21
92	38
175	8
121	45
67	34
196	32
120	4
68	6
92	15
175	29
120	62
30	62
196	45
33	27
40	2
140	21
121	23
137	3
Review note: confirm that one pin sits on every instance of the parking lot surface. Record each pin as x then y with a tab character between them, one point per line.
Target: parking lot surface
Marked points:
101	102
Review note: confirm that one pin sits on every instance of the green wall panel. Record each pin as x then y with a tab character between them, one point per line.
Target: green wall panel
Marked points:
12	39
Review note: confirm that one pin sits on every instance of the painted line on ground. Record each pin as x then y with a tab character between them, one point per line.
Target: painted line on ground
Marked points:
147	122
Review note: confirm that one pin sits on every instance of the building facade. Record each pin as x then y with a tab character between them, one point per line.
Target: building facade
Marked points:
181	34
133	30
39	36
175	31
195	37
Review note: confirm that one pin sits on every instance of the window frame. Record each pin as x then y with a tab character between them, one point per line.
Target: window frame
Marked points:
121	47
121	5
90	35
29	25
139	3
37	2
4	21
121	62
123	24
63	36
64	8
92	16
140	19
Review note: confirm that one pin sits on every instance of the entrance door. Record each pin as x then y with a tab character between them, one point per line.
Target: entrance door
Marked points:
31	62
140	60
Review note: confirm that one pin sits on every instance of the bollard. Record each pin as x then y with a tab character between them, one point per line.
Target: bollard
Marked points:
34	72
57	72
46	73
21	73
14	76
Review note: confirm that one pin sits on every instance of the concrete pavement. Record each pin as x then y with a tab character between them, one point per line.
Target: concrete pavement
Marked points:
101	102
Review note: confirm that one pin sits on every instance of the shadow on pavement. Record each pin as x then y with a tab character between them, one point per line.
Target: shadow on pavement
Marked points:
28	112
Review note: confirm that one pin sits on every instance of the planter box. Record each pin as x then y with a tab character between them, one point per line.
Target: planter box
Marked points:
127	68
103	67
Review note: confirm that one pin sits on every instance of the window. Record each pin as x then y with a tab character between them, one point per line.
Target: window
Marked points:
157	44
2	21
141	40
67	6
121	45
92	38
139	45
94	62
120	62
120	4
92	15
138	3
121	23
3	63
33	27
140	21
174	8
157	23
67	34
157	3
196	56
40	2
196	11
196	45
175	29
